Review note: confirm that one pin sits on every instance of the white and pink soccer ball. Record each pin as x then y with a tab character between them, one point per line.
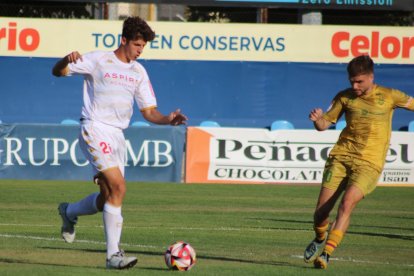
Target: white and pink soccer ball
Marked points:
180	256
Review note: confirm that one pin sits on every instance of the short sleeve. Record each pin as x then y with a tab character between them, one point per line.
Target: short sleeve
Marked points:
402	100
144	95
86	65
335	110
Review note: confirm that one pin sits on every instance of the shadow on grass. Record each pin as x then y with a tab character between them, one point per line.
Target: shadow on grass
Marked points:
310	222
383	227
27	262
161	254
154	269
285	220
227	259
404	217
218	258
384	235
15	261
74	249
378	234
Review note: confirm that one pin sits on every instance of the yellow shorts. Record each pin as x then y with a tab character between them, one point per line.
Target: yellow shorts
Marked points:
349	171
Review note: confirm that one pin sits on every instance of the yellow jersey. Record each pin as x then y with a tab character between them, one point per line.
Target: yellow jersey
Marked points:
368	122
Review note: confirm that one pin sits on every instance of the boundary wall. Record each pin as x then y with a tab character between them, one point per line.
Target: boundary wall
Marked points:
213	155
241	75
52	152
260	156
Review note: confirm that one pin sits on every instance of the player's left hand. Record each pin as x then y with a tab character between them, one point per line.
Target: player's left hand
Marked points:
177	118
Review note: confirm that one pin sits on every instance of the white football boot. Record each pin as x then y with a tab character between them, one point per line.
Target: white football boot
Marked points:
120	261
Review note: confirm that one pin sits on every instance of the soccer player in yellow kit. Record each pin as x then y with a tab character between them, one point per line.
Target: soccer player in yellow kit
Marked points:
356	161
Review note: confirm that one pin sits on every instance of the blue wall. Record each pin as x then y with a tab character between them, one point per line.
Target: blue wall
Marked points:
243	94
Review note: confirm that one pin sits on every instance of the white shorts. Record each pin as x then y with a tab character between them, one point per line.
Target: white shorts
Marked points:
103	146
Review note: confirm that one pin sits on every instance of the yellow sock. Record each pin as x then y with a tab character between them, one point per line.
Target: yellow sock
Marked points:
334	239
321	231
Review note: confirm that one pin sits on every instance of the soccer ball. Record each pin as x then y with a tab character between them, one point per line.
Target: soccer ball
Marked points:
180	256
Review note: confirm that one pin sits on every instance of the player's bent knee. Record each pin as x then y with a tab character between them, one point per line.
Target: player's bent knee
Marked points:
119	190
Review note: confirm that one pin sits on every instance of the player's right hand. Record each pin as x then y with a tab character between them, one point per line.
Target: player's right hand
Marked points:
315	114
73	57
177	118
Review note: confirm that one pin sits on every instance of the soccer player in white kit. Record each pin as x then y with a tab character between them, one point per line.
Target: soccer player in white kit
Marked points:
112	82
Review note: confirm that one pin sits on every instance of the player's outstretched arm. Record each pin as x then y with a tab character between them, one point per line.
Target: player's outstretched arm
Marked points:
175	118
410	104
318	121
60	68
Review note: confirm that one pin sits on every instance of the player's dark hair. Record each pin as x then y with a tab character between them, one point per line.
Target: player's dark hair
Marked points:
136	28
360	65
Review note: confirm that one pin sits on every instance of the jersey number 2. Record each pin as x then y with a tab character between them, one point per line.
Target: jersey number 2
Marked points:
106	148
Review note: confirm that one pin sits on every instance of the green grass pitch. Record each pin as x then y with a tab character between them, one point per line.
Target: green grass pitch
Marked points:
235	230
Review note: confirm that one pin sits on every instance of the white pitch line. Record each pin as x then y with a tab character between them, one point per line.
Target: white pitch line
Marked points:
77	241
226	229
358	261
25	225
42	225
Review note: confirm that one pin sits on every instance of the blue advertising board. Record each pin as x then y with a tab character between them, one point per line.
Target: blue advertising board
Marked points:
51	151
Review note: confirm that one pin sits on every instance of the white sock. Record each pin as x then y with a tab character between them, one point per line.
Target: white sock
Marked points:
86	206
112	219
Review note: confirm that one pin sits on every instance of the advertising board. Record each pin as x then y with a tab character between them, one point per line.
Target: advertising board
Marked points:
259	156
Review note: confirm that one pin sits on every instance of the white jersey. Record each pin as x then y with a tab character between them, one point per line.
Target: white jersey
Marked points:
110	87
